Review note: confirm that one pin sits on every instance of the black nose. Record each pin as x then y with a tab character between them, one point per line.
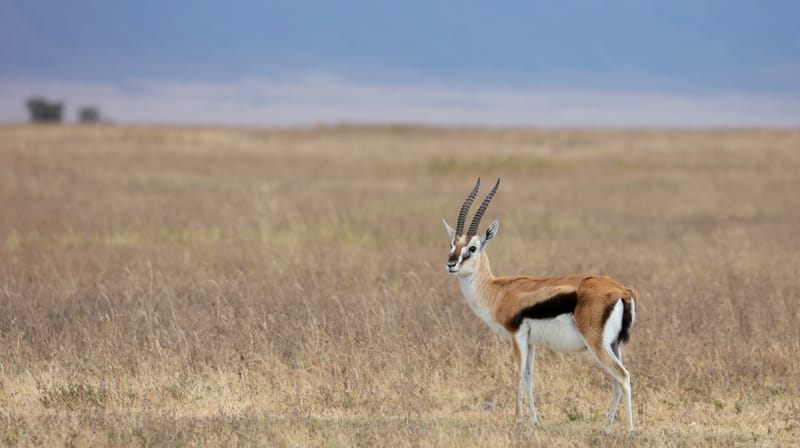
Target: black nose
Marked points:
452	260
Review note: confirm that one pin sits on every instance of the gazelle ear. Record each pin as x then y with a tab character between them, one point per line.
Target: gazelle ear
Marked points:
450	231
490	232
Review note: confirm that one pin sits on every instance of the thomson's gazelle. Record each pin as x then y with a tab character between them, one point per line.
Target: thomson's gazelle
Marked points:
569	313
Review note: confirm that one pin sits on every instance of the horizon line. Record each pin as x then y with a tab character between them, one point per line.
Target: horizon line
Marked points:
322	100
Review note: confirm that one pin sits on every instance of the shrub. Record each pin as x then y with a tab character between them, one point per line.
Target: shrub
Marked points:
44	111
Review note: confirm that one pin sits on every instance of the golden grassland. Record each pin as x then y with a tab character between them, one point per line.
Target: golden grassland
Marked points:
286	287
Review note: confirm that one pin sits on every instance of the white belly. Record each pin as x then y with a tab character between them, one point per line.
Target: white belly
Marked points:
559	334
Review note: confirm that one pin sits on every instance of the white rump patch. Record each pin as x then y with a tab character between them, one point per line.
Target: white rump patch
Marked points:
613	325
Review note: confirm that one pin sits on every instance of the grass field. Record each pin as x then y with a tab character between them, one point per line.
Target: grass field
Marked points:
192	286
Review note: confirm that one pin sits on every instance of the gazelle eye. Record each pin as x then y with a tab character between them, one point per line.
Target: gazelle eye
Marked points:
473	249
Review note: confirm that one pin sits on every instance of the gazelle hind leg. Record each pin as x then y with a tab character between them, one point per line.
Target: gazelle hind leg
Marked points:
604	355
602	343
622	379
612	411
616	355
618	358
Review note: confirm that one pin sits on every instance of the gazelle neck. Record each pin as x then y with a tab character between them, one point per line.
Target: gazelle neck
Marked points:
480	294
480	278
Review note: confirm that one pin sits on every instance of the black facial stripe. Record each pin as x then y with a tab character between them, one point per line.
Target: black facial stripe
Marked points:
563	303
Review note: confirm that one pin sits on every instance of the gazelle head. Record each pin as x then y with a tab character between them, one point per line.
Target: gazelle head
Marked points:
465	248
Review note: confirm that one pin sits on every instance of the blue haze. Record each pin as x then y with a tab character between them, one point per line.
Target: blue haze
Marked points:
688	47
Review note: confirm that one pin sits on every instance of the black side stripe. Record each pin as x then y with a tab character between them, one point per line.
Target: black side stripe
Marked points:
547	309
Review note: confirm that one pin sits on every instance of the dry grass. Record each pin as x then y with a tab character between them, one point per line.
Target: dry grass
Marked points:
167	286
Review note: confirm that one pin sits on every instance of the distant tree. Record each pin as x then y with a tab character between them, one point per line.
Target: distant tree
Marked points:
44	111
89	114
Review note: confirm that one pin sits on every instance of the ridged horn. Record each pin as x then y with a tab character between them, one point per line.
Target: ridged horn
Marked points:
462	216
476	221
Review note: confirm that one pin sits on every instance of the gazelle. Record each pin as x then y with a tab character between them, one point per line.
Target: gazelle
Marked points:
569	313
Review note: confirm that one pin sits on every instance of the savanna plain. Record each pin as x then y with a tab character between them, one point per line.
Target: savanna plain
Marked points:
287	287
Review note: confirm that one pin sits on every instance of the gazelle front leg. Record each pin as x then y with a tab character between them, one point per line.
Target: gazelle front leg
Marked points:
518	378
525	376
529	368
